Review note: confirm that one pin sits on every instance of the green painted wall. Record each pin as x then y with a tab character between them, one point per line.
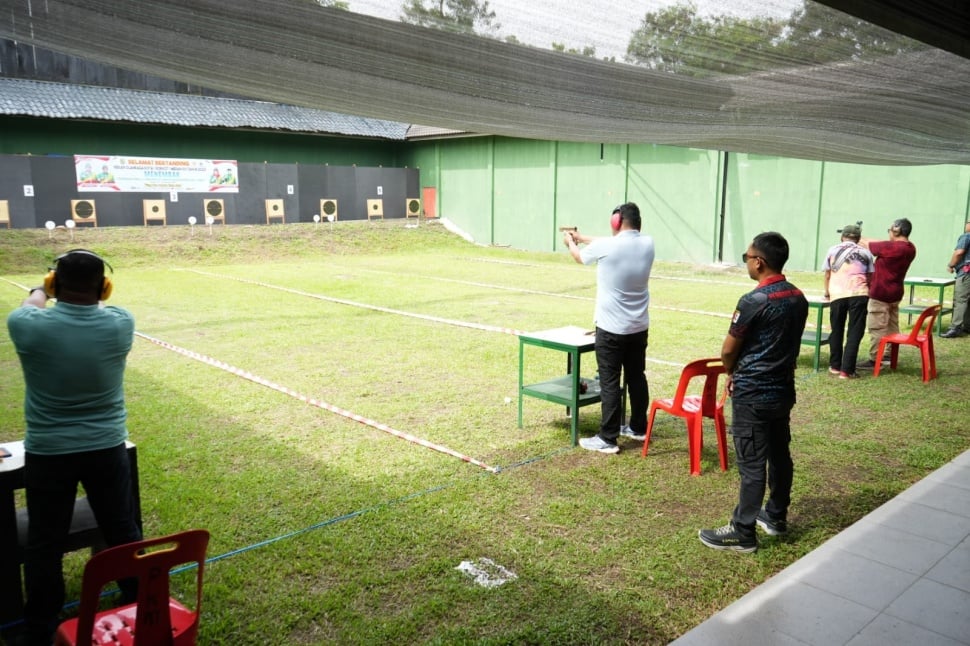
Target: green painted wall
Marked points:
772	194
934	198
677	190
465	189
426	159
585	186
524	192
517	192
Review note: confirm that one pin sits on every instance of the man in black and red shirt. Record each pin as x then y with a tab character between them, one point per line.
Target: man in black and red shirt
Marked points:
760	352
886	289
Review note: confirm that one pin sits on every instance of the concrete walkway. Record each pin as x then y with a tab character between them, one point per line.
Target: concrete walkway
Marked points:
901	575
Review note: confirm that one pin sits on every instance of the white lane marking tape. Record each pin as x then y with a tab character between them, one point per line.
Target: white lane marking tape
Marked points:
537	292
316	402
341	301
387	310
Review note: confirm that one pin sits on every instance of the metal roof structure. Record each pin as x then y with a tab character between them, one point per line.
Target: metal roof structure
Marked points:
20	97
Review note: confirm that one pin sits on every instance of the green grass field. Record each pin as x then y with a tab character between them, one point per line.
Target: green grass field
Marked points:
329	530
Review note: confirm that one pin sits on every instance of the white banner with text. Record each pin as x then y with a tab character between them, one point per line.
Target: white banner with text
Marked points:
124	174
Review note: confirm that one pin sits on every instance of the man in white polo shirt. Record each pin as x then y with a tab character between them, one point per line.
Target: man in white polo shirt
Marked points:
623	263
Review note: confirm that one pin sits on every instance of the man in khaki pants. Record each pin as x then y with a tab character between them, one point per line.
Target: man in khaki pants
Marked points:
959	266
886	289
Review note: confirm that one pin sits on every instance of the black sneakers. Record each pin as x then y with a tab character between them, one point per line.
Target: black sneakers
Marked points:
953	333
771	527
728	538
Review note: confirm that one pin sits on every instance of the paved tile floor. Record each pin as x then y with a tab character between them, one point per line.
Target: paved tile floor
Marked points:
901	575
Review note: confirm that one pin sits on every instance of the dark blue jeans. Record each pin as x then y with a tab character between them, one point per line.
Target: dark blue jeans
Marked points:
626	354
761	443
51	483
852	308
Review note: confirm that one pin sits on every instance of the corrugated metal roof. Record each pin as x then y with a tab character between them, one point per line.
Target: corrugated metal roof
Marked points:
65	101
430	132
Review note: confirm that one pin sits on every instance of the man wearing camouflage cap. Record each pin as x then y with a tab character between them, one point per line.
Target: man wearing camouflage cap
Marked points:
848	268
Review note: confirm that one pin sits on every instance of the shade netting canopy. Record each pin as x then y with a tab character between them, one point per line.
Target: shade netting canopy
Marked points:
827	86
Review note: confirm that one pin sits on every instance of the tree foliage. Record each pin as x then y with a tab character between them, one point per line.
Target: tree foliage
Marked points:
827	35
333	4
587	50
677	39
462	16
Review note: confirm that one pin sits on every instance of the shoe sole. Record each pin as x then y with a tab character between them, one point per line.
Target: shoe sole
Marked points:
731	548
769	530
637	438
609	451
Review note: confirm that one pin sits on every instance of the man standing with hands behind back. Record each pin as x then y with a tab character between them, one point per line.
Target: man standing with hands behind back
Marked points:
623	264
73	358
759	353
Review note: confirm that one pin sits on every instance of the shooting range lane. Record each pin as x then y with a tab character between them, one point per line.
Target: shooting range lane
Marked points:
387	310
341	301
245	374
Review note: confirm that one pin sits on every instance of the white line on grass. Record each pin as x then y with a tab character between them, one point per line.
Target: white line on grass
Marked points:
15	284
386	310
316	402
537	292
436	319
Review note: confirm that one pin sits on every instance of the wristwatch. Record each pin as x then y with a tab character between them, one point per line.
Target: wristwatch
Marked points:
37	289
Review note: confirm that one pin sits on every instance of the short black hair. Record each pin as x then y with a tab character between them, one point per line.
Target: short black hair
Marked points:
629	213
80	270
903	227
773	247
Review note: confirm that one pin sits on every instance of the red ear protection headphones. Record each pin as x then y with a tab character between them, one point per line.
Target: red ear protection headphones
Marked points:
50	280
616	219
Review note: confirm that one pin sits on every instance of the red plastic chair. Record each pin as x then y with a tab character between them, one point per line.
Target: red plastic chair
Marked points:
694	408
162	620
920	336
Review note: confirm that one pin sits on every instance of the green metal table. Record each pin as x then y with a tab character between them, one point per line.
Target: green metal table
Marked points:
913	308
816	338
563	389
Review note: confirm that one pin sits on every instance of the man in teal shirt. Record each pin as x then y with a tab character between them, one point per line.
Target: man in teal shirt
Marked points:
73	357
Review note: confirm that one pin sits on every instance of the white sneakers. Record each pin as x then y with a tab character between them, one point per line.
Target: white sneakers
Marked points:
626	431
595	443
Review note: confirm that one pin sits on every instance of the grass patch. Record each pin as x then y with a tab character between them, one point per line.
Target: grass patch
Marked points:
342	533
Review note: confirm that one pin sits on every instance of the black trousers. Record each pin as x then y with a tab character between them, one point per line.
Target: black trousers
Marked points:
51	483
761	444
622	355
852	308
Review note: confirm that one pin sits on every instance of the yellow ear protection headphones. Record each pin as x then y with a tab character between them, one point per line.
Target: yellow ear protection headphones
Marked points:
616	219
50	280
